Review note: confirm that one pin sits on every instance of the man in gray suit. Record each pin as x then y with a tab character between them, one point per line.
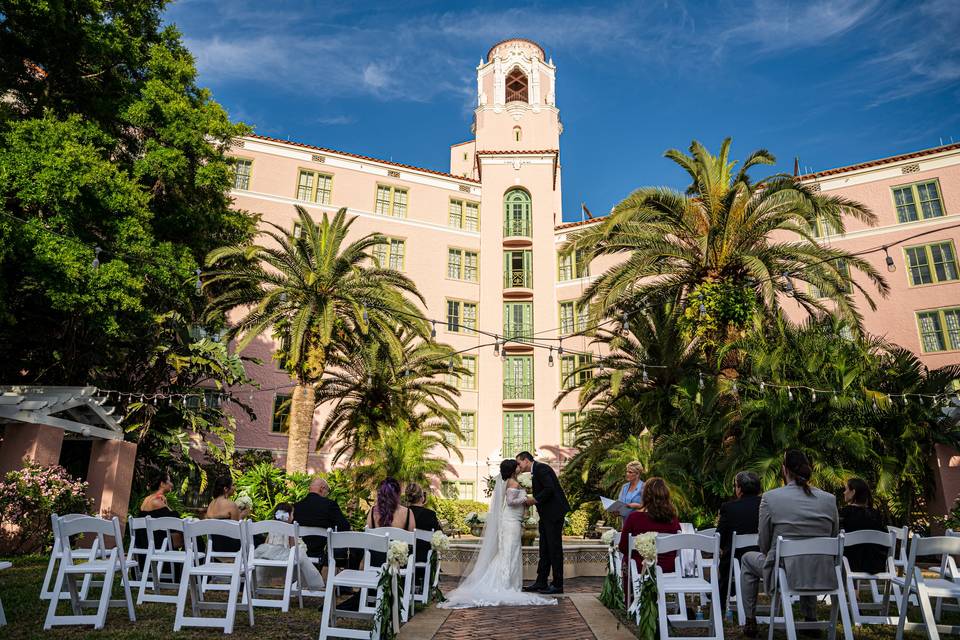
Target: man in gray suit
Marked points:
795	511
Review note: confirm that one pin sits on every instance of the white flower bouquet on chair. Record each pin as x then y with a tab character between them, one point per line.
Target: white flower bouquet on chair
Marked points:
611	595
440	544
388	613
644	605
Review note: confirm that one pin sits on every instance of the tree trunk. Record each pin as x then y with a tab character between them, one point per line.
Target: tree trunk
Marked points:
302	407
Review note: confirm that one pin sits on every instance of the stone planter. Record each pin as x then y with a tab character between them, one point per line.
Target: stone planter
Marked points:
476	530
528	535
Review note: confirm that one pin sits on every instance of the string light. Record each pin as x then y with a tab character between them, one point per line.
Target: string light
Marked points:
560	348
496	348
646	378
813	395
450	365
788	286
789	393
366	316
433	328
624	322
700	383
96	257
550	358
199	284
891	266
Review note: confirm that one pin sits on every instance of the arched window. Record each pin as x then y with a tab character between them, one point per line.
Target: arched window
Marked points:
516	213
516	86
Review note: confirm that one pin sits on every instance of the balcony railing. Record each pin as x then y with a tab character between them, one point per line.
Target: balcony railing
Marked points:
517	227
517	278
513	391
518	331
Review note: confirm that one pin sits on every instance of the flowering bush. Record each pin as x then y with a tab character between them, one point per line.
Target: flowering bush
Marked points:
397	554
27	498
526	480
452	513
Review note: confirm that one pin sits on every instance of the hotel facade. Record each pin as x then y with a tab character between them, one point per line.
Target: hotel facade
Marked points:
482	244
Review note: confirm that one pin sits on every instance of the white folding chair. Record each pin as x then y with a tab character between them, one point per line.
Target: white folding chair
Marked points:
160	567
703	562
319	561
680	585
229	566
56	555
429	581
135	552
3	616
915	584
407	573
614	557
856	579
738	542
289	533
366	580
106	564
784	594
903	536
947	570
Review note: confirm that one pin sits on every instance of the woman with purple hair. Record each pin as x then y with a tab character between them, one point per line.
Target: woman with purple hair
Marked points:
388	512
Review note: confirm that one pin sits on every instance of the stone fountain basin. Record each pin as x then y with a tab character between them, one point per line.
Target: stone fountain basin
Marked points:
581	558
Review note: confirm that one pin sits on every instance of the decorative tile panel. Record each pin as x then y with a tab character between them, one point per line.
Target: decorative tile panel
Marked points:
910	168
317	158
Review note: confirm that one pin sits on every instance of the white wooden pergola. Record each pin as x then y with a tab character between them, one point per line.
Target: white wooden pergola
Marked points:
80	410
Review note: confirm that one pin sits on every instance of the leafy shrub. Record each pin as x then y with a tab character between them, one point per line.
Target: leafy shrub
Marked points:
27	498
577	523
452	513
351	495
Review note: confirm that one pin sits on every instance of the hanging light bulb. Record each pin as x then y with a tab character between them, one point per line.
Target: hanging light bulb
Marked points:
433	328
789	393
875	407
496	347
624	322
96	257
813	395
560	348
788	286
735	389
700	382
283	296
646	378
199	284
550	358
703	309
891	266
450	365
762	386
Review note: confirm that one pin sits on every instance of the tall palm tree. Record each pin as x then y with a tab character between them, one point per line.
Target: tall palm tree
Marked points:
310	289
731	231
376	384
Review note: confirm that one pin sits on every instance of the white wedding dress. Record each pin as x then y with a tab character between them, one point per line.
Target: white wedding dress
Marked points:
495	575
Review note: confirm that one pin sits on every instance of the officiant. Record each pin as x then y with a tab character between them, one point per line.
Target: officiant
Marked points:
631	493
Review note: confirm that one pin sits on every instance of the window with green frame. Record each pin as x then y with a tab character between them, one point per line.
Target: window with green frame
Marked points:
468	429
518	321
568	428
517	433
931	263
572	264
464	214
939	329
569	364
391	253
281	414
461	316
241	173
313	186
466	381
518	269
391	201
518	378
844	270
822	227
462	265
918	201
458	490
573	317
517	214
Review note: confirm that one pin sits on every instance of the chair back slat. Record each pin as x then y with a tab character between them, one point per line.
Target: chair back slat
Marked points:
396	533
358	540
85	525
213	527
810	547
276	527
869	536
667	542
424	535
934	546
707	532
165	524
744	540
313	531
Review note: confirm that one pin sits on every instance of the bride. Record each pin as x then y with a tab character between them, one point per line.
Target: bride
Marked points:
495	574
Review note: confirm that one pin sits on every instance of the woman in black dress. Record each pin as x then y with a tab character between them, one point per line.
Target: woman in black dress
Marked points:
859	515
416	499
155	505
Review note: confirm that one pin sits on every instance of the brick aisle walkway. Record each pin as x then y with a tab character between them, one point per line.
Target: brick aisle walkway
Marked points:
570	585
562	622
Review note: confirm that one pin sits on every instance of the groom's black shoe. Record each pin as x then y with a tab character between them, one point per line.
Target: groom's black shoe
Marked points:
551	590
535	587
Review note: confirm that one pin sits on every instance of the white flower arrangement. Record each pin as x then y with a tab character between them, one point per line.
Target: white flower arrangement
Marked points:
526	480
244	502
608	537
646	545
532	519
397	554
440	542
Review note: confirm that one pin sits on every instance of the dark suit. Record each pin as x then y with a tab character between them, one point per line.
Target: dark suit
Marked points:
317	511
741	516
552	506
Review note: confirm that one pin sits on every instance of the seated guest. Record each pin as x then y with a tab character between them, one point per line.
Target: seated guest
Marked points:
388	512
656	513
795	511
857	515
631	491
416	499
155	505
317	510
277	547
741	516
222	507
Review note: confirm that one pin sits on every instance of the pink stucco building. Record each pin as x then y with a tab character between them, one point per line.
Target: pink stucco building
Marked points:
481	242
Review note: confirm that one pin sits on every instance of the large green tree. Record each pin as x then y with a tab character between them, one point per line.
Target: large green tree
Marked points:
114	185
315	291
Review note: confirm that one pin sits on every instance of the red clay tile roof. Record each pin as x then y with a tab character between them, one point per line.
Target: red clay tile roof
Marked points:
361	157
579	223
515	152
536	44
881	161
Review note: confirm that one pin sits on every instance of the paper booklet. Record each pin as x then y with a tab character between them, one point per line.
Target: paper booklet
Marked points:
615	506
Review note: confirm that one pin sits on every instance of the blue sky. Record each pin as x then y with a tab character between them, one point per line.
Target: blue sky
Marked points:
833	82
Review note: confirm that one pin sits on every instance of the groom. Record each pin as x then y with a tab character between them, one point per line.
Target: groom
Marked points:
552	505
